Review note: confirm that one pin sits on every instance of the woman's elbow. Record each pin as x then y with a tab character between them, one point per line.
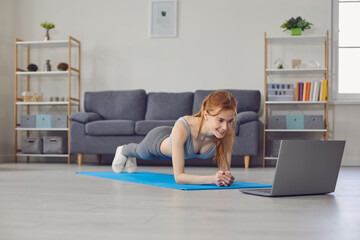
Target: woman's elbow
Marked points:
178	180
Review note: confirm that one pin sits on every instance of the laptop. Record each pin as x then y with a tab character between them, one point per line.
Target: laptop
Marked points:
304	167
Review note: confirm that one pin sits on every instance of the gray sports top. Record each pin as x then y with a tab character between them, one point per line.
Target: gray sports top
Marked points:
189	147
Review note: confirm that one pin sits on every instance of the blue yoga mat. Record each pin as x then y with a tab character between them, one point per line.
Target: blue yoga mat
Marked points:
166	180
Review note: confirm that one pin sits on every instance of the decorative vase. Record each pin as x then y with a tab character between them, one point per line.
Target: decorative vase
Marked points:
296	31
47	36
47	67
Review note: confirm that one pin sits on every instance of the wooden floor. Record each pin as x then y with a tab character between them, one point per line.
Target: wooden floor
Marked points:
49	201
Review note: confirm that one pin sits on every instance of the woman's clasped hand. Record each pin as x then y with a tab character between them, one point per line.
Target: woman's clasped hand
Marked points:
224	178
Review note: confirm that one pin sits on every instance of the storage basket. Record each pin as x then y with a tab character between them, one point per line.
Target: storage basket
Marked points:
32	145
55	145
27	121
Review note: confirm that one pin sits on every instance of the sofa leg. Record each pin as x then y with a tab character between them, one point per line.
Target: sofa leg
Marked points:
80	158
247	161
99	159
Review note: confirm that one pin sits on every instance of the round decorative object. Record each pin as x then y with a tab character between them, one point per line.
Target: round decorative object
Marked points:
32	67
62	66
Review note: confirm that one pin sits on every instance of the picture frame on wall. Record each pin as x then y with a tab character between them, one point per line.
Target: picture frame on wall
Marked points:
163	18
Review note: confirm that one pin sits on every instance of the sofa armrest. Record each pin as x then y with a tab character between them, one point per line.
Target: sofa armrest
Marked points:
247	116
85	117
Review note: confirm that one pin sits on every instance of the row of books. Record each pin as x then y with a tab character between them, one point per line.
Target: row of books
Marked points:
311	91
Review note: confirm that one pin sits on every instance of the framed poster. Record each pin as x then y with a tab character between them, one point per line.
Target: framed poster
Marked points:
163	22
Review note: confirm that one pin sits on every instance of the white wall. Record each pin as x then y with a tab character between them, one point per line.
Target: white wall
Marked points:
220	43
344	125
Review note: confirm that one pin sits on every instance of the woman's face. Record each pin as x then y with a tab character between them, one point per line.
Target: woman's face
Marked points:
221	123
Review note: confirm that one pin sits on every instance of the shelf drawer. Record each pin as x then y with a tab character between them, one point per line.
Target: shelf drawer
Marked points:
32	145
314	122
27	121
276	122
43	121
294	121
59	121
55	145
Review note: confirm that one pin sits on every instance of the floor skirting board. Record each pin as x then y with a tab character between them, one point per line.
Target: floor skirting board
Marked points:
6	158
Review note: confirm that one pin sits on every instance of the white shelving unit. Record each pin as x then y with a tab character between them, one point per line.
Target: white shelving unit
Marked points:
288	74
21	74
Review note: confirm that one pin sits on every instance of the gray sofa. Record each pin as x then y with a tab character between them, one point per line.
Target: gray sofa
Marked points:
114	118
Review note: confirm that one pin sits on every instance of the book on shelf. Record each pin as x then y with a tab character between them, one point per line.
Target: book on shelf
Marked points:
297	94
321	95
307	95
311	95
316	88
325	90
304	91
301	91
308	87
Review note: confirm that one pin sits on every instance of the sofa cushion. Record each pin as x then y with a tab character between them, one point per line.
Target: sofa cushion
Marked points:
110	128
247	100
168	106
143	127
84	117
124	105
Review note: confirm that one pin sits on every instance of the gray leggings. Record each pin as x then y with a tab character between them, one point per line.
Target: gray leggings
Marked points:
149	147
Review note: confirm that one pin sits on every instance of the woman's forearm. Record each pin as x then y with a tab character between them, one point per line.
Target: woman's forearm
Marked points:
194	179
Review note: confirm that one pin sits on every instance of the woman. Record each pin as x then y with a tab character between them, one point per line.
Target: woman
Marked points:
209	133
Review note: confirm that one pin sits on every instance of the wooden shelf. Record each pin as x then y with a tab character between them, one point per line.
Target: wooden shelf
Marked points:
295	102
47	44
48	74
297	39
41	155
41	129
295	130
46	103
72	48
294	75
297	71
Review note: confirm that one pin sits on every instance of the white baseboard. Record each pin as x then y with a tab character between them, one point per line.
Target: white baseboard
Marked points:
351	162
6	158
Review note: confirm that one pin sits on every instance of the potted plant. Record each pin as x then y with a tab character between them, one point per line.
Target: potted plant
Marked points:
296	25
47	26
